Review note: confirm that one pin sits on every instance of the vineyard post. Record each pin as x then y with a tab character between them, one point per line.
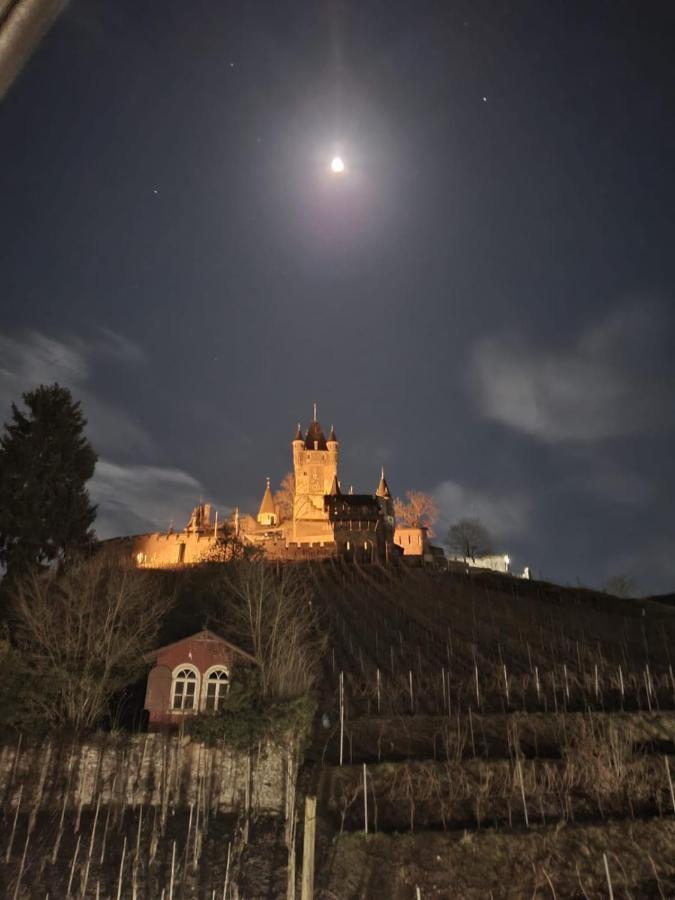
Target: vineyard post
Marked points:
307	889
378	692
227	871
410	686
342	714
646	681
365	800
670	782
23	862
119	880
173	863
16	816
72	867
522	792
609	880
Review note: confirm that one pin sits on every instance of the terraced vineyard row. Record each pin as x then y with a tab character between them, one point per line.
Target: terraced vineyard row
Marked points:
459	711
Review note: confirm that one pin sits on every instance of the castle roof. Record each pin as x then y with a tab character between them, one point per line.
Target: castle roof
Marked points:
383	487
316	436
335	488
332	436
267	505
298	434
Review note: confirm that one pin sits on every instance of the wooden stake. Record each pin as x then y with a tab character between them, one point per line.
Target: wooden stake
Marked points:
119	880
609	880
522	792
72	868
105	833
173	863
378	691
91	847
227	871
16	816
342	715
307	889
670	782
365	800
410	686
23	862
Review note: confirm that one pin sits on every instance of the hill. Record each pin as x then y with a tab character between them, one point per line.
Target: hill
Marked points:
514	739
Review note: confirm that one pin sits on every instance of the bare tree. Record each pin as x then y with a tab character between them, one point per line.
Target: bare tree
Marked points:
283	499
469	538
271	608
417	509
620	586
81	636
229	547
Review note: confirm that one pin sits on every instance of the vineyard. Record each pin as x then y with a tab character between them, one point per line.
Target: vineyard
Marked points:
474	713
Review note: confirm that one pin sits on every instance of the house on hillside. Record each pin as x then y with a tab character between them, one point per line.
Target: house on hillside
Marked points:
190	676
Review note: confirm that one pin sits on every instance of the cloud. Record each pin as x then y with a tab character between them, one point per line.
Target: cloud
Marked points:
34	358
506	515
131	498
610	382
138	499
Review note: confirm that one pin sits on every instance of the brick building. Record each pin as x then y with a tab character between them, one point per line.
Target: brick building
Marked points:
190	676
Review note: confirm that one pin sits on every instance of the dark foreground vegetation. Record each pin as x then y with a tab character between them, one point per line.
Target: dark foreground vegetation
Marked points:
465	736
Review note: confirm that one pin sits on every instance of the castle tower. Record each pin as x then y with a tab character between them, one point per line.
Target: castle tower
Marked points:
315	465
267	514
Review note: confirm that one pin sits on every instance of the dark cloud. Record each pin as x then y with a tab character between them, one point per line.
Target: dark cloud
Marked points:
598	387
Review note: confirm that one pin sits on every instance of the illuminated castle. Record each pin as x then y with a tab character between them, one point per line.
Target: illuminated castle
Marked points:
316	521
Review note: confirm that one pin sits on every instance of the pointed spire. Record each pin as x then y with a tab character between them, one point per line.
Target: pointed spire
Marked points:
298	434
314	418
332	436
335	487
383	487
267	505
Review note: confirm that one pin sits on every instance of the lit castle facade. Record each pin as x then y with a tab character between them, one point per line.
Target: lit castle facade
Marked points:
314	521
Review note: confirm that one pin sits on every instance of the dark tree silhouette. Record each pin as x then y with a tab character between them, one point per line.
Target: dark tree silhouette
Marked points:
469	538
45	462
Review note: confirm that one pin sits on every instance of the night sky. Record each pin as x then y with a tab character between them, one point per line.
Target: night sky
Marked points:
483	301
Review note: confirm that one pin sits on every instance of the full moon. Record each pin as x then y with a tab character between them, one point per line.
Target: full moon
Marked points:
337	165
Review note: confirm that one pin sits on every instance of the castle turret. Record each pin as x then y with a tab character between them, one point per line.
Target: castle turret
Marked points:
315	462
383	487
267	514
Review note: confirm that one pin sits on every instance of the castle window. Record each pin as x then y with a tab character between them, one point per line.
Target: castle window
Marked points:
217	686
184	689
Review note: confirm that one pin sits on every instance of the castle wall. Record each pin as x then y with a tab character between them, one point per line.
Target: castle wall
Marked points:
165	550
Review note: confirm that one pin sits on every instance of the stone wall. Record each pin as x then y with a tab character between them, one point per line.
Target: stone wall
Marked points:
150	770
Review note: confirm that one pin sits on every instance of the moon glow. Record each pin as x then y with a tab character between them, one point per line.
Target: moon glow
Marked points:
337	165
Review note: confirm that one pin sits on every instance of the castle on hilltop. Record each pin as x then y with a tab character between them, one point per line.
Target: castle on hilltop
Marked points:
317	521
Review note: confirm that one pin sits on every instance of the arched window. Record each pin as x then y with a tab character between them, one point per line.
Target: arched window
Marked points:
216	686
184	693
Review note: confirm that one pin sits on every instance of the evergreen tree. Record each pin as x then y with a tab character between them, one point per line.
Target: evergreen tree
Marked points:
45	461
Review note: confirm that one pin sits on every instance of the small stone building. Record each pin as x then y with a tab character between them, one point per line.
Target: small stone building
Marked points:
190	676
